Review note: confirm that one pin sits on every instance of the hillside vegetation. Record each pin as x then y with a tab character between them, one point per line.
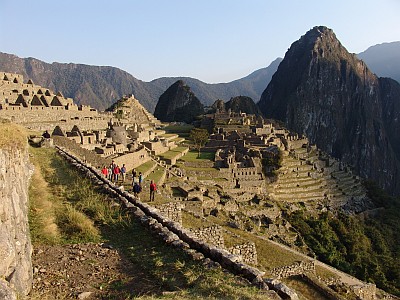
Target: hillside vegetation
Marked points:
367	248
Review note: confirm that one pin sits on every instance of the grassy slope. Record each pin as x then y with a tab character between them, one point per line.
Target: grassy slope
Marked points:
61	202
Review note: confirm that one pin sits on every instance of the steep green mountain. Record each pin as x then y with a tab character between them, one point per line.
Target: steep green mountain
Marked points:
178	104
328	94
100	86
383	59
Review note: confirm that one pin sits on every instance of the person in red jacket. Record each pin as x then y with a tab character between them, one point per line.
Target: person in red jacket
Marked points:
104	171
153	189
116	172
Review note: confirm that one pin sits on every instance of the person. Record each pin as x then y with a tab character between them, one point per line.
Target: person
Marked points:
133	175
110	172
116	172
140	178
136	189
153	189
123	172
104	171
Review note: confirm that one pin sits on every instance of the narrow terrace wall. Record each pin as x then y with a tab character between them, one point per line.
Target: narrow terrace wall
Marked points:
172	210
247	251
211	235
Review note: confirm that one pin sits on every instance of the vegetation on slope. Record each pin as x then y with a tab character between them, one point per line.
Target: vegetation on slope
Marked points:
367	248
65	208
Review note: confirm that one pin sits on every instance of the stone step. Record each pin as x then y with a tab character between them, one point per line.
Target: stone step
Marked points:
299	198
311	193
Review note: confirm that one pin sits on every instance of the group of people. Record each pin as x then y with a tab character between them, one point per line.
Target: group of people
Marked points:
137	185
113	173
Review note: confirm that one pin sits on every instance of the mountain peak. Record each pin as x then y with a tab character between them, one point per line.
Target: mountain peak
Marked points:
323	91
178	103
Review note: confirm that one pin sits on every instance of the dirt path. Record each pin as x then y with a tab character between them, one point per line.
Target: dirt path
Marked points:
85	271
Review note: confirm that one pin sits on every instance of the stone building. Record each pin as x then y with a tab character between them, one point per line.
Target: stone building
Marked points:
39	108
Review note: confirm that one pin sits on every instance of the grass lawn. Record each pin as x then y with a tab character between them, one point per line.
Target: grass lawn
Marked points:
145	167
155	175
168	135
178	128
192	156
173	153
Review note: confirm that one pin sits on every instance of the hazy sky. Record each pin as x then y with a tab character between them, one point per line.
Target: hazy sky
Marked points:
212	40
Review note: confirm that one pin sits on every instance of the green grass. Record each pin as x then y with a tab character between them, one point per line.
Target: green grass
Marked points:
168	135
155	175
178	128
192	156
173	153
145	167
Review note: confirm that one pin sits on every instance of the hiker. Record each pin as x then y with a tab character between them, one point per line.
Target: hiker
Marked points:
116	172
123	172
153	189
133	175
110	172
136	189
140	178
104	171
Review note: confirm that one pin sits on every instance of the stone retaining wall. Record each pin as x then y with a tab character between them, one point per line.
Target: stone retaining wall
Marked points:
297	268
15	243
172	210
175	235
247	251
211	235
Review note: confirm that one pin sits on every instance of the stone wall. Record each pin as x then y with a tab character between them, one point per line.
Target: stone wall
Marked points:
297	268
45	118
15	244
247	251
211	235
172	210
133	159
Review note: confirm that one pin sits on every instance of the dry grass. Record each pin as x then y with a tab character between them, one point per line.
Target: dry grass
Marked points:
76	225
12	135
52	219
42	208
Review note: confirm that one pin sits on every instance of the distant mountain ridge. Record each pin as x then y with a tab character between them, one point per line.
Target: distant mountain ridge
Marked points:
383	59
100	86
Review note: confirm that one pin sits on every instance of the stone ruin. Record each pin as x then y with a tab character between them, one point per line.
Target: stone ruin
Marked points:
39	108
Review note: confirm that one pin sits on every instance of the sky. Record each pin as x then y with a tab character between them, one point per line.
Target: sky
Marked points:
211	40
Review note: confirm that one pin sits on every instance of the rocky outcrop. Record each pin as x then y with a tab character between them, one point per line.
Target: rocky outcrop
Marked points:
237	104
328	94
15	243
178	104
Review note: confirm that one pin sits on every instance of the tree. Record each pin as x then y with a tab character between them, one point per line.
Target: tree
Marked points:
199	137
